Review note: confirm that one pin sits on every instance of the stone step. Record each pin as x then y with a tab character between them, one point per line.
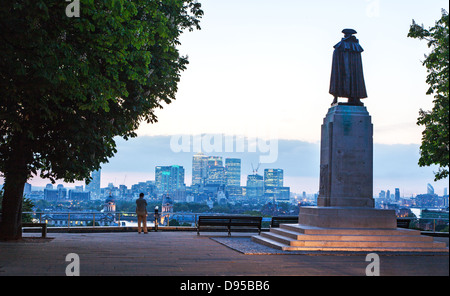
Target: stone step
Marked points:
305	229
393	241
280	246
270	243
349	237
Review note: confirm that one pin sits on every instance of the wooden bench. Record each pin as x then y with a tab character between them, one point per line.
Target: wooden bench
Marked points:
214	222
403	223
42	225
277	220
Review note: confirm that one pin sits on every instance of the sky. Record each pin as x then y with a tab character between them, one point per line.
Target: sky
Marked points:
261	68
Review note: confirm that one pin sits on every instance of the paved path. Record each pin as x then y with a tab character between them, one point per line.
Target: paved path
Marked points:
186	254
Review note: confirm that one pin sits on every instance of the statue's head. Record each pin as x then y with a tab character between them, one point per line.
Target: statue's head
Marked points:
348	32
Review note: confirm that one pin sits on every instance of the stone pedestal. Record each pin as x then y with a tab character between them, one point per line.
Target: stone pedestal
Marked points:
346	174
345	218
346	158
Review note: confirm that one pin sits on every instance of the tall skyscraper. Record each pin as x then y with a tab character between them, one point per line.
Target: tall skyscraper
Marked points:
94	185
233	177
215	172
26	189
273	177
273	185
397	194
430	189
255	186
169	179
199	167
233	171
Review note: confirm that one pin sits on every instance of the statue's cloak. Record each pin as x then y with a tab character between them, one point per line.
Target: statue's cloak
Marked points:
347	79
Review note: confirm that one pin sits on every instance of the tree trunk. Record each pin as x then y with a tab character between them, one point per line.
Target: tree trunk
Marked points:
16	175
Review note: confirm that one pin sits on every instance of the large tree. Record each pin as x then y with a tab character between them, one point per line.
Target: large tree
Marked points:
70	85
435	137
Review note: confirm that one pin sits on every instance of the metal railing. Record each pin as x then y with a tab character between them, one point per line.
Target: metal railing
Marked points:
427	224
93	219
122	219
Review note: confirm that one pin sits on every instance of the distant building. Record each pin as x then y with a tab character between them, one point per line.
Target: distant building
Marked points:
233	172
273	185
199	167
397	194
110	205
26	190
215	172
50	194
255	186
169	179
166	209
94	185
79	195
233	177
430	189
273	179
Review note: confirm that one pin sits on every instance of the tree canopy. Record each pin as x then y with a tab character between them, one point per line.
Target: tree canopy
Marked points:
435	137
69	85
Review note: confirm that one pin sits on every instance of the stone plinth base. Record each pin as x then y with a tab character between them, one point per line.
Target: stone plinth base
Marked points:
297	237
347	217
347	229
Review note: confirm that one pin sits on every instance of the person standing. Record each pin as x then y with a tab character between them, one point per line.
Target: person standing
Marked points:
141	211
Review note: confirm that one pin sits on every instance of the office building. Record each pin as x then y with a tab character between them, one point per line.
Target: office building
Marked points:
273	185
215	172
79	195
233	177
169	179
397	194
255	186
199	167
233	172
94	185
273	178
26	189
50	194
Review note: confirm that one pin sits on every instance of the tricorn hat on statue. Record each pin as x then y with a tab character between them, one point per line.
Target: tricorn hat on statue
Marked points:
349	31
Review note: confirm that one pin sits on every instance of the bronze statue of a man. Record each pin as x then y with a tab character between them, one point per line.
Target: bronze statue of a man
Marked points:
347	79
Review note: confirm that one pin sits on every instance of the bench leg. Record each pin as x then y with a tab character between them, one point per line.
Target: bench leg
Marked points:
229	231
44	231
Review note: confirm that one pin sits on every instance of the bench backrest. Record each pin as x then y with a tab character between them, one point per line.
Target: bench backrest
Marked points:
230	219
277	220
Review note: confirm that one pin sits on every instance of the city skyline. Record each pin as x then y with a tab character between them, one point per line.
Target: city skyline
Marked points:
306	163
